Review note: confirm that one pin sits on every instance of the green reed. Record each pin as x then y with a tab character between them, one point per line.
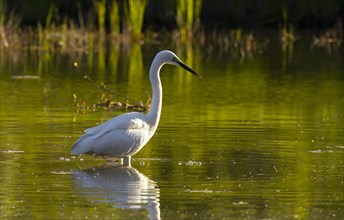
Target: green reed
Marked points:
197	14
100	8
48	20
134	15
287	32
45	42
2	12
188	15
114	18
8	19
9	28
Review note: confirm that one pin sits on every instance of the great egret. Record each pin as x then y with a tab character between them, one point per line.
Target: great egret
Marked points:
124	135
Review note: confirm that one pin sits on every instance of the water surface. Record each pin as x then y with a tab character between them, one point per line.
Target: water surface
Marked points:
255	138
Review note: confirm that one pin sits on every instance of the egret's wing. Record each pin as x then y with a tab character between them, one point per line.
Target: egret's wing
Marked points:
127	121
97	139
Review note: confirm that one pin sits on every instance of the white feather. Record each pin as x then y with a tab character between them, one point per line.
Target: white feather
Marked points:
119	136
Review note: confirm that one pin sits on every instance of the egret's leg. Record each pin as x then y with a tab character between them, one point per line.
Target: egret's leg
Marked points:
126	161
113	161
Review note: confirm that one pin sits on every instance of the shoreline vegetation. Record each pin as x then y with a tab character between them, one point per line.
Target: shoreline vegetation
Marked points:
121	22
119	26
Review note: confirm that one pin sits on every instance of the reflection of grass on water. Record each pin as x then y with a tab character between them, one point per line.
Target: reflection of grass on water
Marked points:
238	43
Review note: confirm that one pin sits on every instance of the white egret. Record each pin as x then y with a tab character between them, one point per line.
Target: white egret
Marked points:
124	135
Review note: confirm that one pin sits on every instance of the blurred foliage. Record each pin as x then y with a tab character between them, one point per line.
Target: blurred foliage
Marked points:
93	27
134	14
100	8
188	17
220	13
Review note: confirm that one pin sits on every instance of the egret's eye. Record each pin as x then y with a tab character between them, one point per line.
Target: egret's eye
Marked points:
175	59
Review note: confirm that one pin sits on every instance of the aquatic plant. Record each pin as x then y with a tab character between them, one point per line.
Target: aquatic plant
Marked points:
62	34
109	100
188	16
9	28
134	15
331	38
287	38
114	18
100	8
44	39
197	14
80	16
48	20
8	19
287	31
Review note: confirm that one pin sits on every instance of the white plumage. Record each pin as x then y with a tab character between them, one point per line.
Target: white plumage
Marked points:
124	135
121	136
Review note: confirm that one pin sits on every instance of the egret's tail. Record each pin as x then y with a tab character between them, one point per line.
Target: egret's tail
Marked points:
80	146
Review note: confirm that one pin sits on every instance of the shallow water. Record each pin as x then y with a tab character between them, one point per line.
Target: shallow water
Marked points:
255	138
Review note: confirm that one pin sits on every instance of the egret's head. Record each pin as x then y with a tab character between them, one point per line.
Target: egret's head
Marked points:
170	58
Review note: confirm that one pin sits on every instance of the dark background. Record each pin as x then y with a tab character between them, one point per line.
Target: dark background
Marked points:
215	13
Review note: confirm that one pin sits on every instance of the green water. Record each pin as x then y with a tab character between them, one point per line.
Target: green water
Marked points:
255	138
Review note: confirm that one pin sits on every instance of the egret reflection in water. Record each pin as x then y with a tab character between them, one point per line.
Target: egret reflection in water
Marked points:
121	186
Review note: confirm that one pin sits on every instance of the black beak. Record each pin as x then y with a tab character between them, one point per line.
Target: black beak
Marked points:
180	63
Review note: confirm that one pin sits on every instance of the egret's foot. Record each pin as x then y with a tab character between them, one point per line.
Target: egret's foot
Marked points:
126	161
113	161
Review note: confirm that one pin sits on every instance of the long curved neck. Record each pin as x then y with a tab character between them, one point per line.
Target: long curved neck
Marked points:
153	115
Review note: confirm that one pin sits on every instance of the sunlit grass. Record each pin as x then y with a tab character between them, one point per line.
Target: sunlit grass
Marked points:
134	17
100	8
114	18
9	27
188	16
287	31
8	19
